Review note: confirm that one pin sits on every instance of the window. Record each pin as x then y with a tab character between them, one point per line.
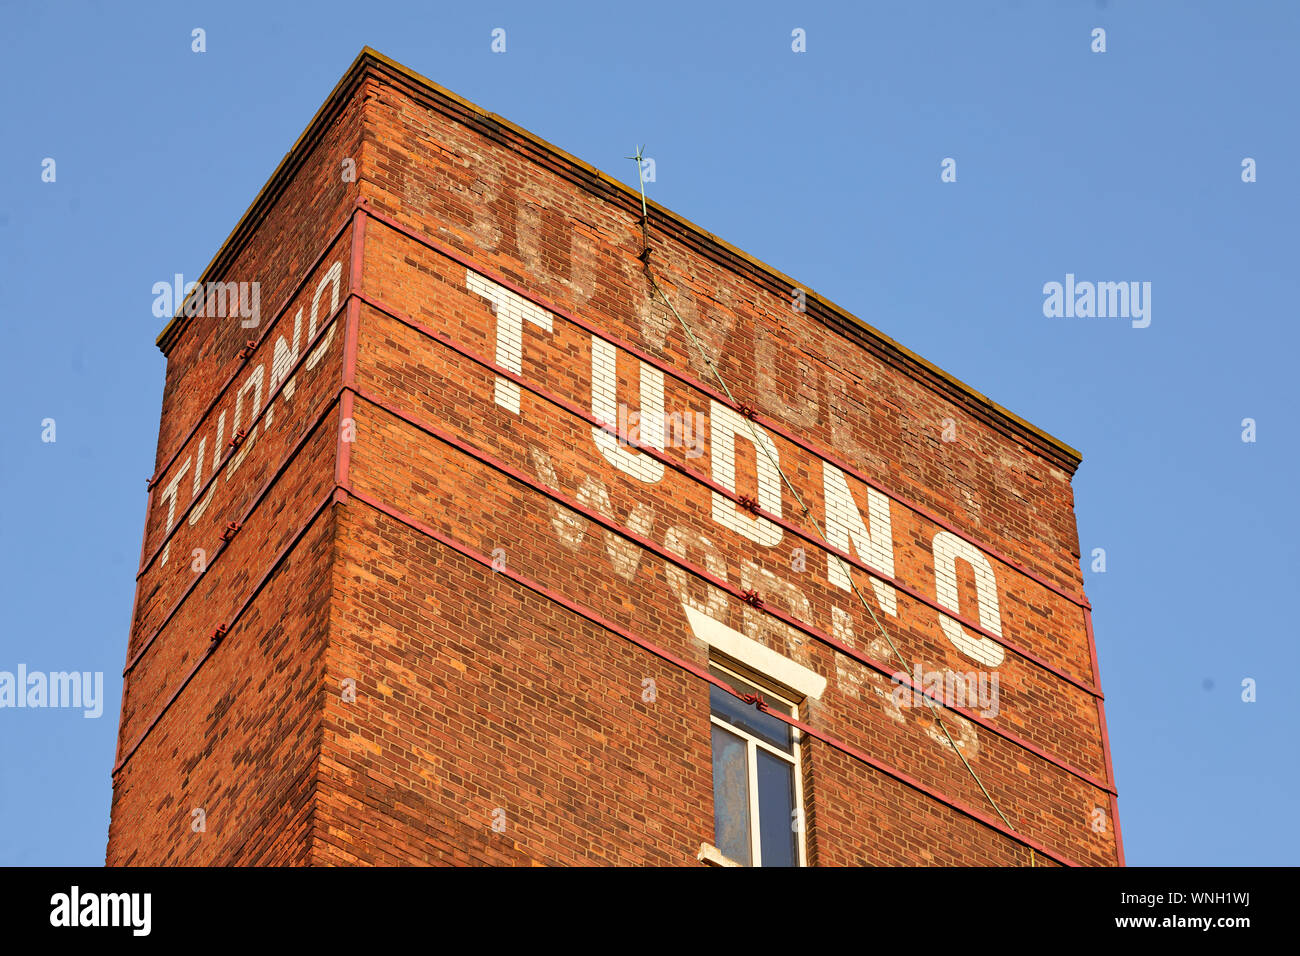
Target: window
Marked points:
757	792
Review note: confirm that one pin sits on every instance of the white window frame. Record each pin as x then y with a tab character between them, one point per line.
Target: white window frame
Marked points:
752	744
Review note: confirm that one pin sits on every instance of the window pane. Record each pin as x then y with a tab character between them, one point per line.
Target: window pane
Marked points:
746	716
776	811
730	796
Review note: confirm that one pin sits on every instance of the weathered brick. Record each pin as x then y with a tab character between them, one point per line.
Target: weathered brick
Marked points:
436	642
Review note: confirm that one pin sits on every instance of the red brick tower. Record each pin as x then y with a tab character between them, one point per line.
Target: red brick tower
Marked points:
458	552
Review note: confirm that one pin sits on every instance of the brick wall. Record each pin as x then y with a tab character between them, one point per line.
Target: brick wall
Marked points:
238	736
450	663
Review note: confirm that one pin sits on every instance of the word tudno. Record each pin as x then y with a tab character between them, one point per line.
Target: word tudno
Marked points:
846	528
247	404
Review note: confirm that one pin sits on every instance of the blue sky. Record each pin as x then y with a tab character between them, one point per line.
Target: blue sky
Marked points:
1123	165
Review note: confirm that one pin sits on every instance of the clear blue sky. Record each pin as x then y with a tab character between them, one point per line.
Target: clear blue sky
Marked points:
1117	166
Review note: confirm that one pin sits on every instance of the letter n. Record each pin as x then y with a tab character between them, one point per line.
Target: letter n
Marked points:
846	531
